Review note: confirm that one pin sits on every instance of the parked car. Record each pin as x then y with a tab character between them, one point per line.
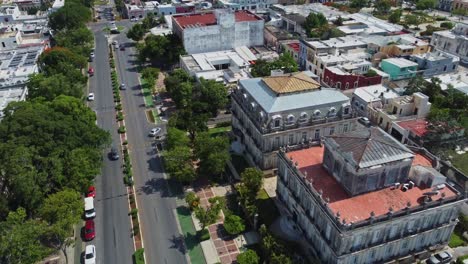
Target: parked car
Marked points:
90	254
123	86
122	47
365	121
91	56
441	257
91	71
91	97
89	208
154	131
89	232
91	192
114	154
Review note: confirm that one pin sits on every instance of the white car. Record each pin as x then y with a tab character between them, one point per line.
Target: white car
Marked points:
154	131
90	254
91	97
91	55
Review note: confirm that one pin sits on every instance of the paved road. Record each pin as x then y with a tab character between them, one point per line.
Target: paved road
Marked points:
113	241
156	206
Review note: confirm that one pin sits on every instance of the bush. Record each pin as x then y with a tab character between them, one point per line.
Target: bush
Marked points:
224	124
136	229
134	213
125	143
112	63
139	256
118	107
203	235
248	257
120	117
440	18
121	129
192	200
234	224
447	25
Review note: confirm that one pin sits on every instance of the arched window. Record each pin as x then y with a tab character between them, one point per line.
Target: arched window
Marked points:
290	119
303	117
317	113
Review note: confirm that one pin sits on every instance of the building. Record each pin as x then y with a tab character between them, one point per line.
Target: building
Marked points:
227	66
357	61
352	75
436	62
309	50
366	24
416	106
363	197
459	4
282	110
273	36
9	37
291	47
218	30
453	41
164	10
133	11
9	13
444	5
374	95
25	5
399	68
252	5
395	46
57	5
17	35
457	81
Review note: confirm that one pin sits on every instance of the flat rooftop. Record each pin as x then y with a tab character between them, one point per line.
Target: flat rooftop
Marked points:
400	62
417	126
209	19
358	208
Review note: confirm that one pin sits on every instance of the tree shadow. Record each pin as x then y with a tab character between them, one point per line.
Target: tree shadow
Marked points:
154	163
191	241
154	185
178	243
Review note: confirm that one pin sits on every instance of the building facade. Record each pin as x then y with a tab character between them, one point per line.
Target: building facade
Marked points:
342	77
371	95
436	62
399	68
365	198
444	5
252	5
283	110
453	41
218	30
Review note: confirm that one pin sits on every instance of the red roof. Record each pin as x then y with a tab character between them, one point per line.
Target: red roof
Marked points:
417	126
359	207
294	46
209	19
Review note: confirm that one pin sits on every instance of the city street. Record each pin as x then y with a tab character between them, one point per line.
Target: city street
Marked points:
114	243
158	225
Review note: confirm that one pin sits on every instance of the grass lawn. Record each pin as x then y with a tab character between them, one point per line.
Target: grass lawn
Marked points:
461	162
190	236
267	210
147	96
239	163
217	131
456	240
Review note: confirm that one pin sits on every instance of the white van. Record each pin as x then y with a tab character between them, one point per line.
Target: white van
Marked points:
89	208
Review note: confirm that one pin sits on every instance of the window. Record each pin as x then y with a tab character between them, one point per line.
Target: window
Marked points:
338	85
326	79
276	143
304	136
291	139
405	244
290	119
347	85
346	110
355	84
303	117
345	128
317	134
332	130
317	113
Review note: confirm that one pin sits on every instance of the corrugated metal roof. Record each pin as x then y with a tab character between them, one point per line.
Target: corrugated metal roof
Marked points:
371	147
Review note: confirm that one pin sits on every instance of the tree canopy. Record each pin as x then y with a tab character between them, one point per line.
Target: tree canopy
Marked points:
79	39
178	163
137	32
213	154
285	62
71	15
160	50
248	257
425	4
382	6
234	224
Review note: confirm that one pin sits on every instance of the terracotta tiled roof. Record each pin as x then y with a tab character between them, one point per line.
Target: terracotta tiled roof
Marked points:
296	82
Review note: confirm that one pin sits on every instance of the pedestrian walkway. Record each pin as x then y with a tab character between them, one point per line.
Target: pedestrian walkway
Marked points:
225	246
190	236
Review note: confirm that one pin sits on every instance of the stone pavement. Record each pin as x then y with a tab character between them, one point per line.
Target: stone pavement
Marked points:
223	244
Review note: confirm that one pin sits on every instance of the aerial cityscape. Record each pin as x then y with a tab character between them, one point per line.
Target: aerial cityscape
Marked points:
233	131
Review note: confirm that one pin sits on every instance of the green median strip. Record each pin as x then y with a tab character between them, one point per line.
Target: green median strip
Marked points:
192	243
146	93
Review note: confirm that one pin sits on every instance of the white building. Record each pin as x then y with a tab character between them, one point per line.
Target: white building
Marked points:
57	5
453	41
374	94
362	23
252	5
218	30
9	13
227	66
17	35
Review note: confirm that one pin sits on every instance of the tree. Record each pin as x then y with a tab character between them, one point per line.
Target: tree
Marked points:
178	162
71	15
447	25
58	59
79	40
339	21
50	87
277	258
192	200
425	4
137	32
213	94
382	6
61	211
210	214
149	22
251	183
176	138
285	62
150	72
359	4
248	257
460	12
234	224
20	239
414	20
161	50
395	16
313	21
213	153
371	73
